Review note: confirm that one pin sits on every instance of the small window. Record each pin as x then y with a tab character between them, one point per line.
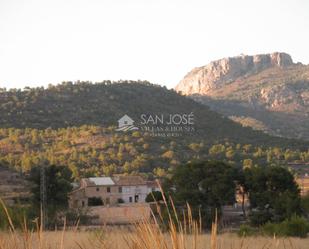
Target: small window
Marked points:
130	199
120	189
108	189
98	189
83	203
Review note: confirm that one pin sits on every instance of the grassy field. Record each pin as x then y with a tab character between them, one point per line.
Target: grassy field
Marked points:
173	232
120	239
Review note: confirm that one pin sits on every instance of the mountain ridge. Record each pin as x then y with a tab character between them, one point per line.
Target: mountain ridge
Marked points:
217	72
102	104
271	84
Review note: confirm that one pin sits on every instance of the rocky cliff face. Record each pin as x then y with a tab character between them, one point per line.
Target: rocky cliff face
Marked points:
220	72
268	88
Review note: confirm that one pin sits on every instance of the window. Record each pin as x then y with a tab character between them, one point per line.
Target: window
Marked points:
120	189
98	189
107	201
130	199
108	189
83	203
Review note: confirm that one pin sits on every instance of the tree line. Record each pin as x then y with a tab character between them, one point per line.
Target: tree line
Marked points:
94	150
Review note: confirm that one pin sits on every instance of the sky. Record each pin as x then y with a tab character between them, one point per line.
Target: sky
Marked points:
50	41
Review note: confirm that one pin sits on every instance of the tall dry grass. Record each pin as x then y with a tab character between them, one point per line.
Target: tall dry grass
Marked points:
147	234
120	239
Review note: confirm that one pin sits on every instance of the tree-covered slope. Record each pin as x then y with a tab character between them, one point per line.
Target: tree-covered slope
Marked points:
94	150
102	104
76	125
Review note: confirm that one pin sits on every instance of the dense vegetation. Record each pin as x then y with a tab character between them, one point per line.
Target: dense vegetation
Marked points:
273	193
74	125
58	181
102	104
93	150
294	226
207	186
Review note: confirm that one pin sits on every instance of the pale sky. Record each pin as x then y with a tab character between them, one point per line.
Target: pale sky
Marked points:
50	41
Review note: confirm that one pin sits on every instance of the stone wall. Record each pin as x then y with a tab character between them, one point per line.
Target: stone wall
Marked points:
122	214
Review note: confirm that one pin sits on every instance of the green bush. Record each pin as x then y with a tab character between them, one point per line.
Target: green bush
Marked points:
272	229
154	196
295	226
305	204
260	217
17	215
246	230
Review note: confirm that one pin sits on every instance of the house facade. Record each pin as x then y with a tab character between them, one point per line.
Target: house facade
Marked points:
113	200
110	191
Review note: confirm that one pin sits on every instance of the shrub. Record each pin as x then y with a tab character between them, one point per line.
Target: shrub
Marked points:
272	229
295	226
16	214
95	201
246	230
260	217
305	204
154	196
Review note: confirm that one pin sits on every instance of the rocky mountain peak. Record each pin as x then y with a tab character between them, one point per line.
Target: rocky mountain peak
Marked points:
220	72
265	91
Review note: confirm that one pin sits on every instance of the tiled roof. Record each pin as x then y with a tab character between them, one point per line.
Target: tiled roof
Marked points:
101	181
119	180
129	180
152	184
97	181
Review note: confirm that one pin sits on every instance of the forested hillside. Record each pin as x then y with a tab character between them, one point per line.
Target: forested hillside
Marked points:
102	104
94	150
75	125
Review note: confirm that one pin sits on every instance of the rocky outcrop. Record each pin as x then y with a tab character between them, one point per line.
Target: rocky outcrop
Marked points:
280	98
221	72
266	89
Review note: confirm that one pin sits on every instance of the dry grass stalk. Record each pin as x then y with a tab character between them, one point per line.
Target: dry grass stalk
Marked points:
214	232
147	234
